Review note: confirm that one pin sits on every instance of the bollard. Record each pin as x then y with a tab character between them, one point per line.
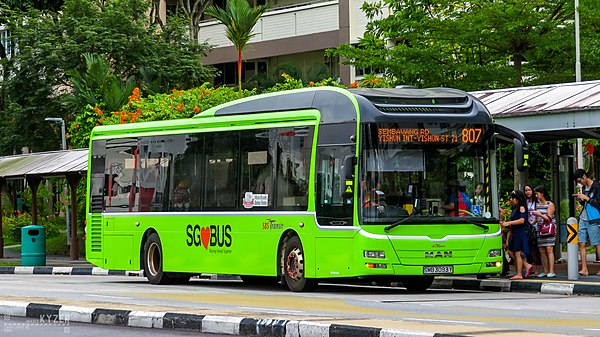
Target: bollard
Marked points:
572	249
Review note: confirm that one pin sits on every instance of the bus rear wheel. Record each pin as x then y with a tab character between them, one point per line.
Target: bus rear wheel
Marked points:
153	261
293	267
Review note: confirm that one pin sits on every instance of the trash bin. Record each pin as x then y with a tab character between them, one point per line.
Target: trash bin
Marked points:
33	246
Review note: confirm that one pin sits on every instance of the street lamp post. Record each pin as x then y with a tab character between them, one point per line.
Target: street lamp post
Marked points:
577	50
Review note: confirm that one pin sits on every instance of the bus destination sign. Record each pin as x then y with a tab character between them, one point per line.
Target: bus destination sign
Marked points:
425	135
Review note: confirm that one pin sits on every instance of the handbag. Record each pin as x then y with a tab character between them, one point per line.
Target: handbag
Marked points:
532	234
547	228
592	213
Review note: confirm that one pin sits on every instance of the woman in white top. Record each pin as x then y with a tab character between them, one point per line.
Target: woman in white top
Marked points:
533	257
545	212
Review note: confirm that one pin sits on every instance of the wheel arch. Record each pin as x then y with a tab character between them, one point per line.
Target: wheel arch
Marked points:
143	243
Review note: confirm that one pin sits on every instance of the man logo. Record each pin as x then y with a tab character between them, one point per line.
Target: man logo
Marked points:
446	253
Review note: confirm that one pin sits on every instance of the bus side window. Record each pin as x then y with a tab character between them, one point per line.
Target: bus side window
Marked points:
221	167
294	147
332	208
257	171
121	167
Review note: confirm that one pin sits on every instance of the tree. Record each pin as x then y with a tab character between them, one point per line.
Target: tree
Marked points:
471	45
238	19
193	10
51	43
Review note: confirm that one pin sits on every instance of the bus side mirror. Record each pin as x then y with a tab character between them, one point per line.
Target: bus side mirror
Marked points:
348	168
347	176
521	154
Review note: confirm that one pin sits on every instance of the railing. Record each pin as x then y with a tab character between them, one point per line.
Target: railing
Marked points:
280	23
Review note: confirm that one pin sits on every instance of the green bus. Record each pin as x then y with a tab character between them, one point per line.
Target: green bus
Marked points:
302	186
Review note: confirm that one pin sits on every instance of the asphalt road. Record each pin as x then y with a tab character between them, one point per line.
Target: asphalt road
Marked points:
473	313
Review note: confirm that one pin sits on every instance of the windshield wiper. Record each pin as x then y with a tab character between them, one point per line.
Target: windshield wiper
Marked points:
486	228
399	222
412	216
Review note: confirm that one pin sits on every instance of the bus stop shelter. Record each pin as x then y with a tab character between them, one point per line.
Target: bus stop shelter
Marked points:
33	168
547	112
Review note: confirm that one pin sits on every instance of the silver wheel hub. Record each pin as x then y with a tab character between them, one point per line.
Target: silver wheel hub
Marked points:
295	264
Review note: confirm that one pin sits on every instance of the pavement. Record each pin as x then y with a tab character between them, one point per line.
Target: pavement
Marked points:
250	326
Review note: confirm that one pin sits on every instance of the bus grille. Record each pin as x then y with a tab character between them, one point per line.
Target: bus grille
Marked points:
95	234
96	203
406	109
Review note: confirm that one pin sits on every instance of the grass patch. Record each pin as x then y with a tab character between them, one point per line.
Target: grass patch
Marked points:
57	245
9	264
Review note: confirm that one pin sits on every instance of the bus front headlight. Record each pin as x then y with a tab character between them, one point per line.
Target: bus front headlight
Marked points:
374	254
495	253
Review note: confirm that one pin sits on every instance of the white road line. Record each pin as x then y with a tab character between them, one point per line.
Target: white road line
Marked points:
280	311
105	296
442	321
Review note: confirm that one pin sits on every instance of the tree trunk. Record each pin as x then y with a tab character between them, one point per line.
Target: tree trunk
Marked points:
518	63
240	70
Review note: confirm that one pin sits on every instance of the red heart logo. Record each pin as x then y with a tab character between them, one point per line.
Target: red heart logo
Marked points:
205	235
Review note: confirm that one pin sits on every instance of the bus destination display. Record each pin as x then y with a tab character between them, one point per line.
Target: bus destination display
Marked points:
425	135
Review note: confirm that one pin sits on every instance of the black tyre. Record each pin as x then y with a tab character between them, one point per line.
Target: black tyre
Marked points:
293	266
417	283
153	261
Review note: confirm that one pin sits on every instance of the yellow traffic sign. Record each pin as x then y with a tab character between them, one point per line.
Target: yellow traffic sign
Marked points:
572	230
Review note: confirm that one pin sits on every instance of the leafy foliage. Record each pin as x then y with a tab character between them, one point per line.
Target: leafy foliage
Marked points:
473	45
52	43
98	85
318	72
239	19
12	226
175	105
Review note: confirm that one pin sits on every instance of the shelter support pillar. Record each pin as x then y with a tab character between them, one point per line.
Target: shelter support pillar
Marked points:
33	182
73	180
2	183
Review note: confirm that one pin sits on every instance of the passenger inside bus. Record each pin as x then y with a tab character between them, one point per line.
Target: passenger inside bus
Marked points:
181	196
458	195
372	197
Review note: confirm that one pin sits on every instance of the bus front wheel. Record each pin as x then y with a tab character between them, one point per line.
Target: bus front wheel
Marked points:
293	267
153	260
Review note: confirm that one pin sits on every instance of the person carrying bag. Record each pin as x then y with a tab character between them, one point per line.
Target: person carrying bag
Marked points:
589	219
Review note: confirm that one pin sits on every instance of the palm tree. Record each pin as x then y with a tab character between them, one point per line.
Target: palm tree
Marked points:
239	19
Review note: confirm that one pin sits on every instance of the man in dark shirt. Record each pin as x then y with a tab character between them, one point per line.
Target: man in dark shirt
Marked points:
589	229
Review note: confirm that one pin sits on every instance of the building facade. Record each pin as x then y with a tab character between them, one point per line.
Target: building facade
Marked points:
291	31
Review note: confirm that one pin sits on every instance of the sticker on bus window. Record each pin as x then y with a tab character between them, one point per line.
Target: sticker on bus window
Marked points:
255	200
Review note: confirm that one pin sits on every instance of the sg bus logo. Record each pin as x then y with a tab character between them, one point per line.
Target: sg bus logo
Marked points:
213	235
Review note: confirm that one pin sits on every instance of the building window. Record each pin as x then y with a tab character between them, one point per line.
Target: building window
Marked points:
5	40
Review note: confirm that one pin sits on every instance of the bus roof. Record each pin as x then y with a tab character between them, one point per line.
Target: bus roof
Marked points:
338	105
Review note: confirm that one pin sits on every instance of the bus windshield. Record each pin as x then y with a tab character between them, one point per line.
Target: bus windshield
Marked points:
430	172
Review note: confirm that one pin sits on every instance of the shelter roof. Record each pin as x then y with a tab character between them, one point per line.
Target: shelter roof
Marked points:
44	164
547	112
542	99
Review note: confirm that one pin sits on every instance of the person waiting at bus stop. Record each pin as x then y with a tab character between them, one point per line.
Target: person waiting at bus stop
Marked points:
589	230
518	244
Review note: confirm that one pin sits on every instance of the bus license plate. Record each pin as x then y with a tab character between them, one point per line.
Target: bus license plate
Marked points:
438	270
